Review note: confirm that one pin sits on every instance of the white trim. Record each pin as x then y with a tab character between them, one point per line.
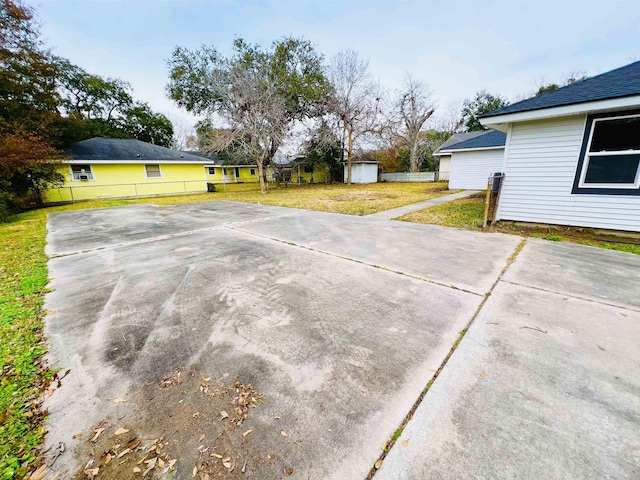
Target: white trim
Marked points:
608	153
498	122
92	179
146	173
449	152
134	162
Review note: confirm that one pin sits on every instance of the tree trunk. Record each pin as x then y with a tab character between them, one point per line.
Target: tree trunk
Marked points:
263	185
349	154
413	157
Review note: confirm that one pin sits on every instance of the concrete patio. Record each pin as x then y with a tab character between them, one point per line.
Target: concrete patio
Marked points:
340	322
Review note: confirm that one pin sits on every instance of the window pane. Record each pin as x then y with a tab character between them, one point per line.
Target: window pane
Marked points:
612	169
212	171
619	134
153	170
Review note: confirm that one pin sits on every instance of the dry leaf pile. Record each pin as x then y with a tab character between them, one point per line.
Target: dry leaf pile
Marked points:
246	398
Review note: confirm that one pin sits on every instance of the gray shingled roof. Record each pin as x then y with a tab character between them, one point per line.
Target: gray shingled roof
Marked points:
486	139
457	138
127	149
621	82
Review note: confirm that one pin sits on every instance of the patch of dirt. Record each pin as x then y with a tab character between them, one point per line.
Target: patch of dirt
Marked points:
191	426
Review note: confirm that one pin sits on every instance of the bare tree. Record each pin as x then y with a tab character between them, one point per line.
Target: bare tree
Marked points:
414	107
255	112
356	101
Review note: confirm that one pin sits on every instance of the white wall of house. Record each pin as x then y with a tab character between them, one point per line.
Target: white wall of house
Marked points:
471	170
362	173
541	162
445	167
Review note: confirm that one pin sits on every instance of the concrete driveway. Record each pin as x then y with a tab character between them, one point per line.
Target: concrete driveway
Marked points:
316	333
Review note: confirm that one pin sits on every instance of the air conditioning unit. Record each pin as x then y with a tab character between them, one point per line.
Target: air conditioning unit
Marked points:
83	177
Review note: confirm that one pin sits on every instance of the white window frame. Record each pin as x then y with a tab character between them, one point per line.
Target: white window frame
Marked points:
73	175
147	173
588	155
209	170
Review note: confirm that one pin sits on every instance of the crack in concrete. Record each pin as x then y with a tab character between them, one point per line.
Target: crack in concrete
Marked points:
173	235
577	297
392	441
380	267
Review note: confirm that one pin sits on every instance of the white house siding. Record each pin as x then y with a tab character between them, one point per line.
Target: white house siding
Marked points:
541	162
445	167
471	170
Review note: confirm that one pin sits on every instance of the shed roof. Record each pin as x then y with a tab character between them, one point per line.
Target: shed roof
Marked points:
457	138
621	82
482	139
119	149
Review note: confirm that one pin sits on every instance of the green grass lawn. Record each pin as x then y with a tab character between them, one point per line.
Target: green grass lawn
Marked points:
468	213
23	280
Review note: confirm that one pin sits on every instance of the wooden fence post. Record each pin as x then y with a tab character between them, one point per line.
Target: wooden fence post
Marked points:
487	202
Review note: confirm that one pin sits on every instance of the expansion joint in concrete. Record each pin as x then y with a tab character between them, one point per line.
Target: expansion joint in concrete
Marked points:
396	435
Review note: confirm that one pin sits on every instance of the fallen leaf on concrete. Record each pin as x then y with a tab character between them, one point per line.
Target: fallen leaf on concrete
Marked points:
247	433
98	432
137	469
169	466
217	455
226	464
244	467
201	437
40	473
92	472
77	436
405	443
120	431
195	472
117	400
287	471
277	417
151	464
378	464
107	458
283	433
223	415
385	445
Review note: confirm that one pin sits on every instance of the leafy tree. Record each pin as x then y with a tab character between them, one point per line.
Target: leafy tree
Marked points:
91	96
142	123
483	102
257	93
324	148
28	96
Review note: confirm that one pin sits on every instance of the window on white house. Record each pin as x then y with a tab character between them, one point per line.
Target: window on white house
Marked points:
212	170
611	159
253	171
81	172
153	171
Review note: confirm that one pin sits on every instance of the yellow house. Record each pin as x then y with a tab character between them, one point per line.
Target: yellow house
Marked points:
296	171
101	168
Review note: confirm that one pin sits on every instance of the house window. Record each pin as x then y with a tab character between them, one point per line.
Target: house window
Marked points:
81	172
153	171
610	157
307	169
253	171
237	172
212	170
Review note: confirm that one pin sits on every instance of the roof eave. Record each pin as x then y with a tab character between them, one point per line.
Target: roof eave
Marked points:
470	149
501	122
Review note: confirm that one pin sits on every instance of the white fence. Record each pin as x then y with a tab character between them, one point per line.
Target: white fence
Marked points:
409	177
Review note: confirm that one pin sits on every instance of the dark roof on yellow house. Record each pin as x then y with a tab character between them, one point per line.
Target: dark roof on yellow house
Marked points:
126	149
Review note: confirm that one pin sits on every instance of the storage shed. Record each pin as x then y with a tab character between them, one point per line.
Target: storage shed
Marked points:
362	171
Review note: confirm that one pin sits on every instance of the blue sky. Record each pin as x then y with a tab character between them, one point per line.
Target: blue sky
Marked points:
456	47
